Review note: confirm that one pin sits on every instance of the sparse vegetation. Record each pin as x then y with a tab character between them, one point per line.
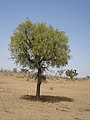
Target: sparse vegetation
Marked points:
51	88
18	102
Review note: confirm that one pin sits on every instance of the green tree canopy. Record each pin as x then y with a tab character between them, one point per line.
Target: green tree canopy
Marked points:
38	46
71	73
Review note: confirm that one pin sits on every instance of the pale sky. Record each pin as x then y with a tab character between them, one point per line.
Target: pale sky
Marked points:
71	16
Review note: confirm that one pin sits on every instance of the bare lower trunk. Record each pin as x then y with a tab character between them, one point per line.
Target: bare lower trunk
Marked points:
38	91
38	81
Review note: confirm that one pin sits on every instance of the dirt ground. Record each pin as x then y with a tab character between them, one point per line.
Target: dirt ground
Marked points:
60	100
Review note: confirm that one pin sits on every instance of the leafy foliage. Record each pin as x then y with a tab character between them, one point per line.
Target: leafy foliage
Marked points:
38	46
71	73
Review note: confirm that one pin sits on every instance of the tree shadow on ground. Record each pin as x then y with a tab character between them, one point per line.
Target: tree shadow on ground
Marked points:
47	98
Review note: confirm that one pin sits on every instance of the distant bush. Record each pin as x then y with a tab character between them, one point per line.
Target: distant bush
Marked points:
15	70
24	70
60	72
71	73
88	77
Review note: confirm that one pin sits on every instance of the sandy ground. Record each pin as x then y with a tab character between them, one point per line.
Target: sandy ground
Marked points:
61	99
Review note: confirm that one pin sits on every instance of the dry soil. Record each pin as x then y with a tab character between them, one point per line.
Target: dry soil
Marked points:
60	99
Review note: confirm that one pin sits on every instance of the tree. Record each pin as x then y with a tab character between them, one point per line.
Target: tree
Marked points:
88	76
60	72
71	73
23	70
38	46
15	70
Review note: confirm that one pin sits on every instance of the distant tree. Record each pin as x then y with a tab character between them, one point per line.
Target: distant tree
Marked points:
15	70
38	46
1	70
71	73
60	72
24	70
88	76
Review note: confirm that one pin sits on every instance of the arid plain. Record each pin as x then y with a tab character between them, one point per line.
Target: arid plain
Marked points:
60	99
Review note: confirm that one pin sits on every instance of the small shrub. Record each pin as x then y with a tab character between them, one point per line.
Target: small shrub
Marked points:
71	73
15	70
51	88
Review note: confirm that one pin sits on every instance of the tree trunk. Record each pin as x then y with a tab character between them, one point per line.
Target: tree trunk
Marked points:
38	90
38	83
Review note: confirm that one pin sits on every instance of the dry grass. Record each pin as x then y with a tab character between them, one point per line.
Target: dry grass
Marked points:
60	99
